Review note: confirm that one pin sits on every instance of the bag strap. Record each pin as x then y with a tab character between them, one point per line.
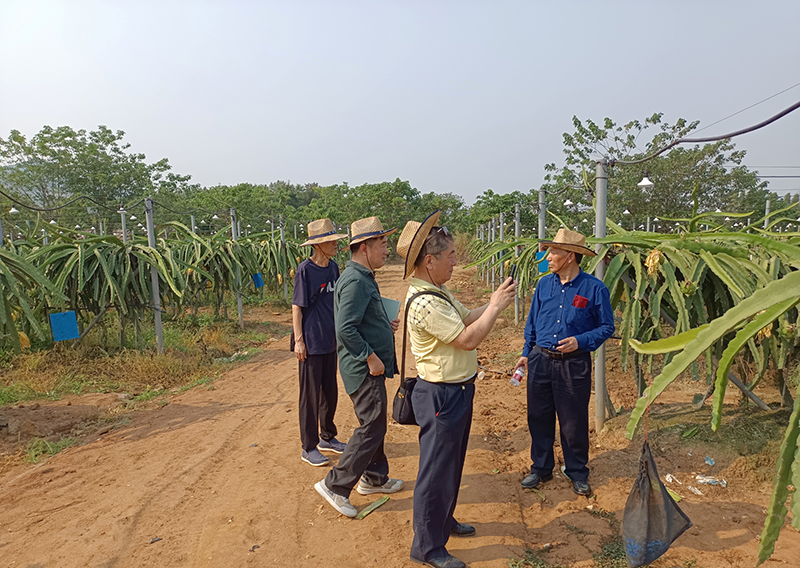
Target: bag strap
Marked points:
405	323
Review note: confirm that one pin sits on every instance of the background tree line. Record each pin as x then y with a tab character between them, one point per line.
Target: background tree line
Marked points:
57	164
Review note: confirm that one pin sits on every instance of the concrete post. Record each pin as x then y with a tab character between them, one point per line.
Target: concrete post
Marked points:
151	240
600	390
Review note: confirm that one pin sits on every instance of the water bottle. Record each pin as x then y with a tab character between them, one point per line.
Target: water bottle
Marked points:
516	378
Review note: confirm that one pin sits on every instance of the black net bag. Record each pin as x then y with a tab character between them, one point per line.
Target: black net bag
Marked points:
652	520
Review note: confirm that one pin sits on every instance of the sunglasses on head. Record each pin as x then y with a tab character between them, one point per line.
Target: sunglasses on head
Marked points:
441	229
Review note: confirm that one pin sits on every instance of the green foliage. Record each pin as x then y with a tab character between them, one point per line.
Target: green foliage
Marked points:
786	482
38	448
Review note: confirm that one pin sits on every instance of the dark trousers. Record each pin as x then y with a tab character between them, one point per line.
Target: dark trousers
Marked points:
559	387
318	397
444	414
364	454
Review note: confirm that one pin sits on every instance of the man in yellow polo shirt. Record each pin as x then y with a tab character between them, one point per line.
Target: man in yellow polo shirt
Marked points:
444	335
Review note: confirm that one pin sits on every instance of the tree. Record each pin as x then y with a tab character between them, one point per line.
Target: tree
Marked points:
59	163
713	173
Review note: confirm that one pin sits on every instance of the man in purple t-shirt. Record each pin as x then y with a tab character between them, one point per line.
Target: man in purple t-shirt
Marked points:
315	343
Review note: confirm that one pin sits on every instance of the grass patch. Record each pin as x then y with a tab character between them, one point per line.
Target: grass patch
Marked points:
38	448
533	559
194	346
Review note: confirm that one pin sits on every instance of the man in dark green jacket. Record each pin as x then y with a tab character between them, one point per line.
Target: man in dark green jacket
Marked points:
365	344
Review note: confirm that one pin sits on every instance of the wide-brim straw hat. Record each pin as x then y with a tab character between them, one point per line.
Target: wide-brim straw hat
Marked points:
413	237
322	231
571	241
367	228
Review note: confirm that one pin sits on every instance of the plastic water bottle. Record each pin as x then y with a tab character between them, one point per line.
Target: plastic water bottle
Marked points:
516	378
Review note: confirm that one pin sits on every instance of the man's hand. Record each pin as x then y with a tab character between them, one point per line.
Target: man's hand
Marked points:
300	349
504	295
523	362
567	345
395	324
376	366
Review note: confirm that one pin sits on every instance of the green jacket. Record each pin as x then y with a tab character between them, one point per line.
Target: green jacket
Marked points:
362	326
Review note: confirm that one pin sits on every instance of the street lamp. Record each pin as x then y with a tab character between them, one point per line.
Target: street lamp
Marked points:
568	202
645	183
133	217
13	209
53	222
215	217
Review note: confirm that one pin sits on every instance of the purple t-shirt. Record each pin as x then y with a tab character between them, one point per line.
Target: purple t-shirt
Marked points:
313	291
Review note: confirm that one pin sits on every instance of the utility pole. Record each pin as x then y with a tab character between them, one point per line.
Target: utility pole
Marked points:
235	237
516	255
600	391
122	214
285	276
542	214
151	240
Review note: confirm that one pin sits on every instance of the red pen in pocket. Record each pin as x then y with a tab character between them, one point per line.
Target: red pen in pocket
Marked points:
580	301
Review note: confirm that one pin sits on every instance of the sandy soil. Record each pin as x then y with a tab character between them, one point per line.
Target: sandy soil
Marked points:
214	478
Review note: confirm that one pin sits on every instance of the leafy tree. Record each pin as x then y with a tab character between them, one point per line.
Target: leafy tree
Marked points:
711	174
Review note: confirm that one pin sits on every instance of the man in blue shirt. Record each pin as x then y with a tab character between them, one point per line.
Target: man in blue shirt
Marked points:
570	317
315	343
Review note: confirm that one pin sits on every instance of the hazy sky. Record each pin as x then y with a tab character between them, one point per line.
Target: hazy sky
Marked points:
453	96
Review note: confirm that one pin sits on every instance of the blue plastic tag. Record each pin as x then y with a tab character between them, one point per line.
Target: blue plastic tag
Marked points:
64	326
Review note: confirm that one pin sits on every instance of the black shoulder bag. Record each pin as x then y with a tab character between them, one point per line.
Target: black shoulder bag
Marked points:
402	411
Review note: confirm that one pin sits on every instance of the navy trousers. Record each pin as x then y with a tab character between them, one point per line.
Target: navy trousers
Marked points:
444	415
364	455
318	397
559	387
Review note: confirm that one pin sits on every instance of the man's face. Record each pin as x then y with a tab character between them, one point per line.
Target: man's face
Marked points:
329	248
377	251
441	269
558	258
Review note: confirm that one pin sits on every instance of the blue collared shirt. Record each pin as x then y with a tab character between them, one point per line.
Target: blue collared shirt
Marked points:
581	308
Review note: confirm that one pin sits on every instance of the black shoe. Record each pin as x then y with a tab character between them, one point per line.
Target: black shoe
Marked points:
448	561
582	488
462	529
534	479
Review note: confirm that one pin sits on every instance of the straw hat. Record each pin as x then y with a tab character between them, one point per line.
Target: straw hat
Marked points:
412	238
571	241
322	231
367	228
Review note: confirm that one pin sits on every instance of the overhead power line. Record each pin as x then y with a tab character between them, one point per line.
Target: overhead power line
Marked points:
674	143
748	108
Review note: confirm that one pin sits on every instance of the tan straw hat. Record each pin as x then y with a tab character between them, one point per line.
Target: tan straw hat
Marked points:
412	238
321	231
571	241
367	228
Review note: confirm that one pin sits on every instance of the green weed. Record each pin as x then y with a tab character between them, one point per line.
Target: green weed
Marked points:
39	447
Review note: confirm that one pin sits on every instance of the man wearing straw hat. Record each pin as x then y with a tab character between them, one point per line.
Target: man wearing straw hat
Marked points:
315	343
365	339
444	335
570	317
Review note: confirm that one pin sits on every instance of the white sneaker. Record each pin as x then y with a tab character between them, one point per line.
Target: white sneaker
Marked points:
391	486
341	504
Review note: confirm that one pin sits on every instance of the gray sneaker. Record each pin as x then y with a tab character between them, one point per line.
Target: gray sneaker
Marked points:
314	458
332	445
391	486
341	504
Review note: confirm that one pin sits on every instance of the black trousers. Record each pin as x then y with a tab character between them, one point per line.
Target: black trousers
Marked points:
559	387
364	455
444	415
318	397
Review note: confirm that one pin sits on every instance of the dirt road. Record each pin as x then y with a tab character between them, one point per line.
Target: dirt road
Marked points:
214	478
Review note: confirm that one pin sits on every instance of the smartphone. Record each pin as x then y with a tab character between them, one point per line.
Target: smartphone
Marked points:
513	272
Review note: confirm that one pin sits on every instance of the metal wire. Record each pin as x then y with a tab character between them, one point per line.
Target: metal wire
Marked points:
674	143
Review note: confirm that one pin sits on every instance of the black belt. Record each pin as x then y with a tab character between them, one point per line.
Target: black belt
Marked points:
553	354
